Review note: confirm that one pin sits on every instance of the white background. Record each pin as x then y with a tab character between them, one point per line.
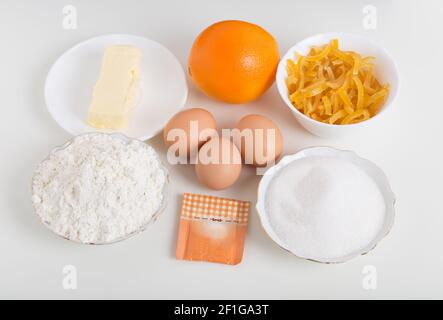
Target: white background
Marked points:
406	145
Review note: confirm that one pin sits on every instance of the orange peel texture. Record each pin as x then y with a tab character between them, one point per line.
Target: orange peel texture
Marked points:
334	86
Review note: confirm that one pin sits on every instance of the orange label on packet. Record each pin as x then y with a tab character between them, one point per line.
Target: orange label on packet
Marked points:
212	229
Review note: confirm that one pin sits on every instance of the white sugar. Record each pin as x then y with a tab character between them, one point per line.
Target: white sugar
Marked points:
324	208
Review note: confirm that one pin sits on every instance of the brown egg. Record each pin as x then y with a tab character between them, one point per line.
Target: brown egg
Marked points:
259	140
219	164
195	126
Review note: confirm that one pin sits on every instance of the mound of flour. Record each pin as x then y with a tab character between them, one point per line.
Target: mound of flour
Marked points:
99	188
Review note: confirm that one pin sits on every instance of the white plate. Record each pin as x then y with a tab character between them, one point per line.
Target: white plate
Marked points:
71	80
367	166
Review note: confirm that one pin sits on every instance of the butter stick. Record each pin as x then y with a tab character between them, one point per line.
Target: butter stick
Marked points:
113	96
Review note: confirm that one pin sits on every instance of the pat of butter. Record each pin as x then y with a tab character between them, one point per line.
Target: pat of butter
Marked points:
113	96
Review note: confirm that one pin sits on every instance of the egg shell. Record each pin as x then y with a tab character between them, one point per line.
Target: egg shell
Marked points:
182	121
262	154
219	164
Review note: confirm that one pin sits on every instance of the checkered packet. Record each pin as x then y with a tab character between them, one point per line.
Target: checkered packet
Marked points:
212	229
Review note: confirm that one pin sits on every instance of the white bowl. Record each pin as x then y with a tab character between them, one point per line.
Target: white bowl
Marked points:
385	69
159	211
367	166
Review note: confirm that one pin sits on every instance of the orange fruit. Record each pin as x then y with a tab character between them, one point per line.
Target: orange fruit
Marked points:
234	61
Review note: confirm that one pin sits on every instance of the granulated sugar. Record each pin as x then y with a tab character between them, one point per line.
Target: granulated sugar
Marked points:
99	188
324	208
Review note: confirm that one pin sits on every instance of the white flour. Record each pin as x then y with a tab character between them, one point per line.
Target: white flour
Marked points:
324	208
99	189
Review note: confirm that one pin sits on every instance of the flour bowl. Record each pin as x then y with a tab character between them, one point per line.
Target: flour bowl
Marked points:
385	70
42	204
368	169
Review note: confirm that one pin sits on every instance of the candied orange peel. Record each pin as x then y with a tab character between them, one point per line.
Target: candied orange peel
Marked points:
335	86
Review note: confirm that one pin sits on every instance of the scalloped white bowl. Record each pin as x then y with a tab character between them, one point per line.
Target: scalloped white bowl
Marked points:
367	166
385	69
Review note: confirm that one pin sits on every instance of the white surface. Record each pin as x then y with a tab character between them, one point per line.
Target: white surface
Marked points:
406	145
385	70
162	89
375	173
